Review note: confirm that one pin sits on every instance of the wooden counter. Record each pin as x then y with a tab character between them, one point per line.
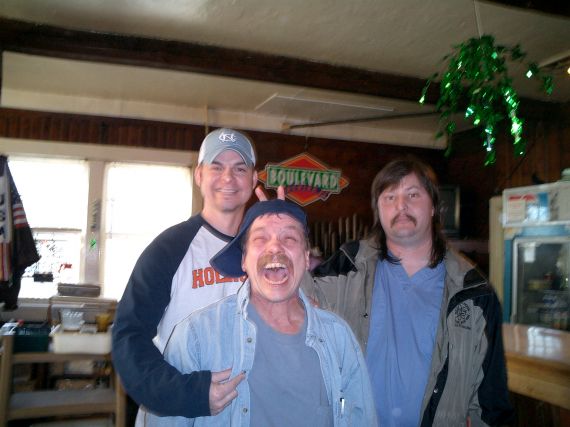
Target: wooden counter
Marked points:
538	363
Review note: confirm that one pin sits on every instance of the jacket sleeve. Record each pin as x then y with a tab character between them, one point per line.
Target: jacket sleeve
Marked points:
146	376
330	277
493	393
356	386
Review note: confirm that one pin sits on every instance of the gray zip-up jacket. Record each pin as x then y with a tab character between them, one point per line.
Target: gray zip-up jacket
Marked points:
468	375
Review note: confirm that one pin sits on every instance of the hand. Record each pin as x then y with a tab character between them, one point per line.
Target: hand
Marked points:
223	390
263	197
314	302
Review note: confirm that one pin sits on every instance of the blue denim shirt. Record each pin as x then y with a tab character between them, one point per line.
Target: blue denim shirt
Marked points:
220	336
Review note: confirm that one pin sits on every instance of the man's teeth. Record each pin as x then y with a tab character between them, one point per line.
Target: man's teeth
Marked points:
275	265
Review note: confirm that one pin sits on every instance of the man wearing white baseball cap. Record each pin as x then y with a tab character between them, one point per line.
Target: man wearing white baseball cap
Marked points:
173	278
226	139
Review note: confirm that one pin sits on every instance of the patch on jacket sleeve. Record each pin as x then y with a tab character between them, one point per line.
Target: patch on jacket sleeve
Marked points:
462	314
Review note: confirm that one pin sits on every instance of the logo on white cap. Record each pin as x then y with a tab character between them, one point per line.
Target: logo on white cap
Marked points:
227	137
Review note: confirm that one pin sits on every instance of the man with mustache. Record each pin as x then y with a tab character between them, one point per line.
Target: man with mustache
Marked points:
303	366
428	321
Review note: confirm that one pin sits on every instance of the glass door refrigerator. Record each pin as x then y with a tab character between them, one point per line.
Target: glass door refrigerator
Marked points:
537	255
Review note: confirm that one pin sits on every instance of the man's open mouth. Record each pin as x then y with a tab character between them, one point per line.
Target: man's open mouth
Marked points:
275	273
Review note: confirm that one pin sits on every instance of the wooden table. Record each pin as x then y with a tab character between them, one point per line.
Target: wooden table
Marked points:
538	363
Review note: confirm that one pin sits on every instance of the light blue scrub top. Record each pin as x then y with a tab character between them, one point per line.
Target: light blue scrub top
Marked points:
403	324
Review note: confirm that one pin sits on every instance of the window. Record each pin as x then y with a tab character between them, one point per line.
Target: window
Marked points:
139	201
54	194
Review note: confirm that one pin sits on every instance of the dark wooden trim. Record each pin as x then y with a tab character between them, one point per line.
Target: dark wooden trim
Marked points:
551	7
83	128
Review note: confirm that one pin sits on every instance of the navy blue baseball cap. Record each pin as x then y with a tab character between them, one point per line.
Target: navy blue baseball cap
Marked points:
228	260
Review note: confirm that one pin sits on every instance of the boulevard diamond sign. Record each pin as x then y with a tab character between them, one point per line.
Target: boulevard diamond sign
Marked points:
305	178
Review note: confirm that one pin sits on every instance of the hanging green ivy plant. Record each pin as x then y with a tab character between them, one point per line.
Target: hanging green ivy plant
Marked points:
477	73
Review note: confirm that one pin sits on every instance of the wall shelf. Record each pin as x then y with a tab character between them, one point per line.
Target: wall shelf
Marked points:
47	403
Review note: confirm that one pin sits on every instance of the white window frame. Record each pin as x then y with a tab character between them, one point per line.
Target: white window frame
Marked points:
97	156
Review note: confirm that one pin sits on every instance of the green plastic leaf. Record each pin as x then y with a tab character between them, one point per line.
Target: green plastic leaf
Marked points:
477	76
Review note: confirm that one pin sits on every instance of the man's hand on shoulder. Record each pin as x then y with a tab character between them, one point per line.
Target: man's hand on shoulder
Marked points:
223	390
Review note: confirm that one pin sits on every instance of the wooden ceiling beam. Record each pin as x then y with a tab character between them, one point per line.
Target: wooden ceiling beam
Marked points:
45	40
551	7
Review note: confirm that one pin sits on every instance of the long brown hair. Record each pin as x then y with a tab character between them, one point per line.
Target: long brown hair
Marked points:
391	175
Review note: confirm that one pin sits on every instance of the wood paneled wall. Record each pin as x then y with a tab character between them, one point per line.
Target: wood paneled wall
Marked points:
547	154
62	127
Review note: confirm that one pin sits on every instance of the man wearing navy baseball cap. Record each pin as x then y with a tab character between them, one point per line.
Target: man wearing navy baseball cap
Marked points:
303	365
173	278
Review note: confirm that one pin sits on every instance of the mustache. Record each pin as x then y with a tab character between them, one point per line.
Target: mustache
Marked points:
408	217
280	258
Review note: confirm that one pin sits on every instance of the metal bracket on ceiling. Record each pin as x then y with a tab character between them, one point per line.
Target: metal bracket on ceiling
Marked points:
287	126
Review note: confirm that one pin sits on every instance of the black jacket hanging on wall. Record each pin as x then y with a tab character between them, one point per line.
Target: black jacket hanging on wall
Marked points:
17	247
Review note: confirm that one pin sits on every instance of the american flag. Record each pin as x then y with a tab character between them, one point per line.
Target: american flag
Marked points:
17	247
18	215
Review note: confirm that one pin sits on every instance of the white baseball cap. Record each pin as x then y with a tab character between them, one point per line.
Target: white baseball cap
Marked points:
226	139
